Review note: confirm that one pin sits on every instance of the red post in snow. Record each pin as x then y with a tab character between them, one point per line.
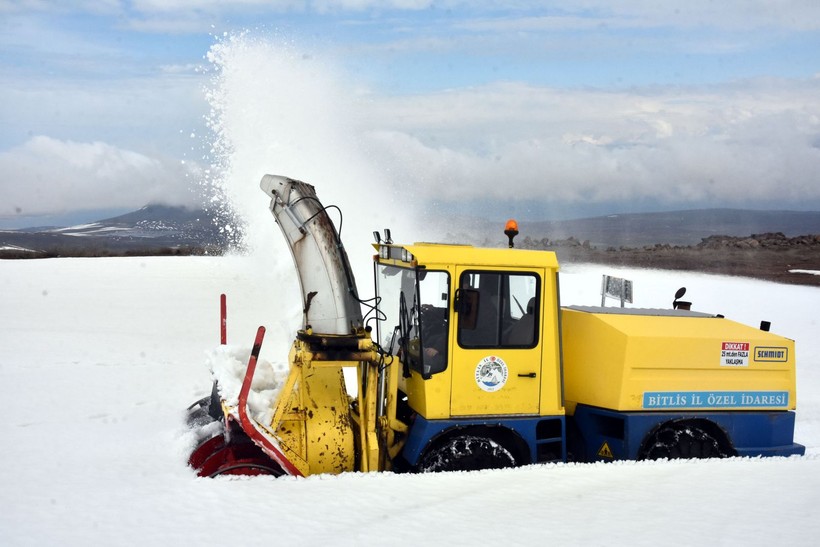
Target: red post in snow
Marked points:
223	320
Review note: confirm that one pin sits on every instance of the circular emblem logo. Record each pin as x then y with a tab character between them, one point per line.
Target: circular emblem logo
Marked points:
491	373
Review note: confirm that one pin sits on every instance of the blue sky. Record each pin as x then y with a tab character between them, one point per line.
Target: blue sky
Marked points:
581	107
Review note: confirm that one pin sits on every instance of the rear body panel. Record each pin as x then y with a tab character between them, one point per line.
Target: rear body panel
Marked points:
642	360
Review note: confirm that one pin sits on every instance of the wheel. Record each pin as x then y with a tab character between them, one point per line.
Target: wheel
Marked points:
466	453
683	441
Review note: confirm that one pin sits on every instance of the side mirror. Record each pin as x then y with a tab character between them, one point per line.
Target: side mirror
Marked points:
679	304
466	306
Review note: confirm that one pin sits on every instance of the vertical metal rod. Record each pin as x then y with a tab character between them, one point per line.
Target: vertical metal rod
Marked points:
223	320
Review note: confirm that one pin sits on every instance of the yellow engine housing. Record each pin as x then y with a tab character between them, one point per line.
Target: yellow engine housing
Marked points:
637	360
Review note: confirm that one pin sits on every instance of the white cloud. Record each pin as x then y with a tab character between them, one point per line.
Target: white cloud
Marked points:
742	143
46	176
278	109
486	15
27	34
89	6
736	15
753	143
726	14
749	143
153	112
160	6
149	6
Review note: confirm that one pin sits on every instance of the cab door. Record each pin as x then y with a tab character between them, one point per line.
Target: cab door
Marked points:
496	354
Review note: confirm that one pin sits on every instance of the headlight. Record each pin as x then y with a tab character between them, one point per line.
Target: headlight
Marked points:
384	252
406	255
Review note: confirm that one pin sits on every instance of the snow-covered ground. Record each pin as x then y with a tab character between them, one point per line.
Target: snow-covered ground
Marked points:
101	356
812	272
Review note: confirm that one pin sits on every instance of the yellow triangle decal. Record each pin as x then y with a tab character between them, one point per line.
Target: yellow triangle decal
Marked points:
605	451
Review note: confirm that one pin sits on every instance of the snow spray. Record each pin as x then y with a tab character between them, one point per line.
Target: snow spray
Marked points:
278	108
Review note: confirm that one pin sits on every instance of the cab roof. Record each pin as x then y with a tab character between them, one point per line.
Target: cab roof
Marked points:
467	255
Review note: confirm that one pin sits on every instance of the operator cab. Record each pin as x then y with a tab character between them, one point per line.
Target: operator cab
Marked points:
474	329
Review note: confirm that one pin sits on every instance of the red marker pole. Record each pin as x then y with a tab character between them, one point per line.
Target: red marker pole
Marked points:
223	320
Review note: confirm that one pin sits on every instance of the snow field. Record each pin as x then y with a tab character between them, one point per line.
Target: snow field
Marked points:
100	358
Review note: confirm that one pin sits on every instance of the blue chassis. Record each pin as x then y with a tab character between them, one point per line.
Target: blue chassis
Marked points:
582	437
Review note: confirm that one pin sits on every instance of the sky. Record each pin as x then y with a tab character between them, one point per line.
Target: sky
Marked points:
545	110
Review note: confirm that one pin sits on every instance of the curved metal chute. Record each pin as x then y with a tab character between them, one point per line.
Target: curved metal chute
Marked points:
330	299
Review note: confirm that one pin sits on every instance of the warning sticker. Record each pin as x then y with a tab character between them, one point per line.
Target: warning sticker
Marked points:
734	354
605	451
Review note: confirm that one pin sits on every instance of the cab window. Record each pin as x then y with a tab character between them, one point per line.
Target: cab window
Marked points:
507	310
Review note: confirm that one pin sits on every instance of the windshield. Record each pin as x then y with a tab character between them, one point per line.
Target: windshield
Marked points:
414	316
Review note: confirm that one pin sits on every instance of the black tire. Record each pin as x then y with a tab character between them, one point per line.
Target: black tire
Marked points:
466	453
684	440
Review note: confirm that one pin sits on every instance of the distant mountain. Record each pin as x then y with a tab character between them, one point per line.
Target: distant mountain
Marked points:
160	229
673	228
154	229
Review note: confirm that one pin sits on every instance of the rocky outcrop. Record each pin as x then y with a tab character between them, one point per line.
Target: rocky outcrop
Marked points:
768	240
771	255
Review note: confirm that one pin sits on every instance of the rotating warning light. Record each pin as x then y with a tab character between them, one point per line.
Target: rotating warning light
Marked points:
511	230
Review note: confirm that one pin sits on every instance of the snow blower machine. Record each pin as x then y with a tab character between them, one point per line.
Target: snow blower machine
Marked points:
468	361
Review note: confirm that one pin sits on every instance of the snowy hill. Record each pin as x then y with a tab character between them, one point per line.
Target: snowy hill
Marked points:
153	229
157	228
687	227
680	227
101	357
